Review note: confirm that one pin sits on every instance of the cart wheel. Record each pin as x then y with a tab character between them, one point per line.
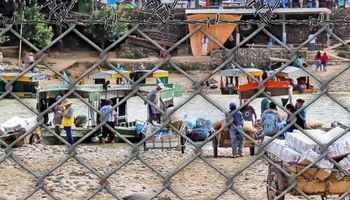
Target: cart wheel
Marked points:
252	150
215	146
34	139
276	183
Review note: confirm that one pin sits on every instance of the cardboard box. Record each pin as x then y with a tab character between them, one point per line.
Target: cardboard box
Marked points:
309	174
323	174
164	141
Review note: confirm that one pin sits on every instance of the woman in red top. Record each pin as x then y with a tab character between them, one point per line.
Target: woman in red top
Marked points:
318	61
324	60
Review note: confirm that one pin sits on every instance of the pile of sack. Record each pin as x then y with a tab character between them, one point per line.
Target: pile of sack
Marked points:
297	148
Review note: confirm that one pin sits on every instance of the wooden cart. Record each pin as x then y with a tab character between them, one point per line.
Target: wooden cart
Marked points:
312	182
223	140
32	138
166	140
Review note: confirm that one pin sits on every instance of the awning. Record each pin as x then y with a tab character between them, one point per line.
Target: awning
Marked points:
253	72
231	72
109	74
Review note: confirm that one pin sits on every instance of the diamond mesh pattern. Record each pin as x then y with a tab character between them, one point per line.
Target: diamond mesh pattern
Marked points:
135	148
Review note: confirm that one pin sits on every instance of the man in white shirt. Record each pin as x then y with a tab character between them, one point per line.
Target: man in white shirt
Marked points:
204	45
312	43
31	59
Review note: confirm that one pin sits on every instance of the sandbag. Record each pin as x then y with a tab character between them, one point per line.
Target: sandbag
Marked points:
249	128
314	123
217	125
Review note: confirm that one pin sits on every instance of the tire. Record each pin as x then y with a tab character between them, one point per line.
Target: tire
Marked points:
215	147
252	150
277	181
34	139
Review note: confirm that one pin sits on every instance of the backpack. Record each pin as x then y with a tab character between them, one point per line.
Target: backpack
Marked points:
270	122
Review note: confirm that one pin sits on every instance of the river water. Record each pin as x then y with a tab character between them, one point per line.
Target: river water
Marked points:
324	109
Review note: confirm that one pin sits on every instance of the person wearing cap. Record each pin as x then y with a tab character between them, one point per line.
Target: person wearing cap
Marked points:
265	103
155	98
249	113
68	119
111	118
57	115
237	138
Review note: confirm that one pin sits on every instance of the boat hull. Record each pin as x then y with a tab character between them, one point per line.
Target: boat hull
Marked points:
277	88
307	91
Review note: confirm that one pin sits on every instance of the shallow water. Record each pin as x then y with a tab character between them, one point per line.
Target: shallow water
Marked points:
324	109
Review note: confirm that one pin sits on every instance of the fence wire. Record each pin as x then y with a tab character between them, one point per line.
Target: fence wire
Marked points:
198	153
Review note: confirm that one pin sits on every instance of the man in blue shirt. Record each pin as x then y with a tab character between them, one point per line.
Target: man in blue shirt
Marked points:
111	119
237	139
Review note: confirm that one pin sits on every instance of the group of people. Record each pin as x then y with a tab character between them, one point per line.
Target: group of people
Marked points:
271	121
64	117
321	61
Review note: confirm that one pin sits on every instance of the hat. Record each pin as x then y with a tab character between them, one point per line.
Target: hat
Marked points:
232	106
161	85
58	97
67	102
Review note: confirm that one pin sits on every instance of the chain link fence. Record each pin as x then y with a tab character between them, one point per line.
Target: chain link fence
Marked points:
232	182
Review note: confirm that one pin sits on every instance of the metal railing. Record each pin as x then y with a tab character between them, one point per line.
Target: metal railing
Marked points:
135	148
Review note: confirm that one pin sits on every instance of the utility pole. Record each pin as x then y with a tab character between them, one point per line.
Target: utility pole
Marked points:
21	10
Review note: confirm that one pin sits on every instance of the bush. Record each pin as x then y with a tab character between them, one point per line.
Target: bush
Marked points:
102	33
342	48
3	39
344	54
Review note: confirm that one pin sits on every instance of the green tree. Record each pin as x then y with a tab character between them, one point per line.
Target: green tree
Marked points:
3	39
37	32
113	29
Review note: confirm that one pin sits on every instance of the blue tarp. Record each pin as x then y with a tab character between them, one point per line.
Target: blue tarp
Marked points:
198	128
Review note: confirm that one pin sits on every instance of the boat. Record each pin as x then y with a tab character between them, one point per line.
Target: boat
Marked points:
276	87
24	87
111	75
230	86
146	85
97	96
290	72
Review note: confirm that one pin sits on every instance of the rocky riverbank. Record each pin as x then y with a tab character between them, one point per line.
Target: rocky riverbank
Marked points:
72	180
